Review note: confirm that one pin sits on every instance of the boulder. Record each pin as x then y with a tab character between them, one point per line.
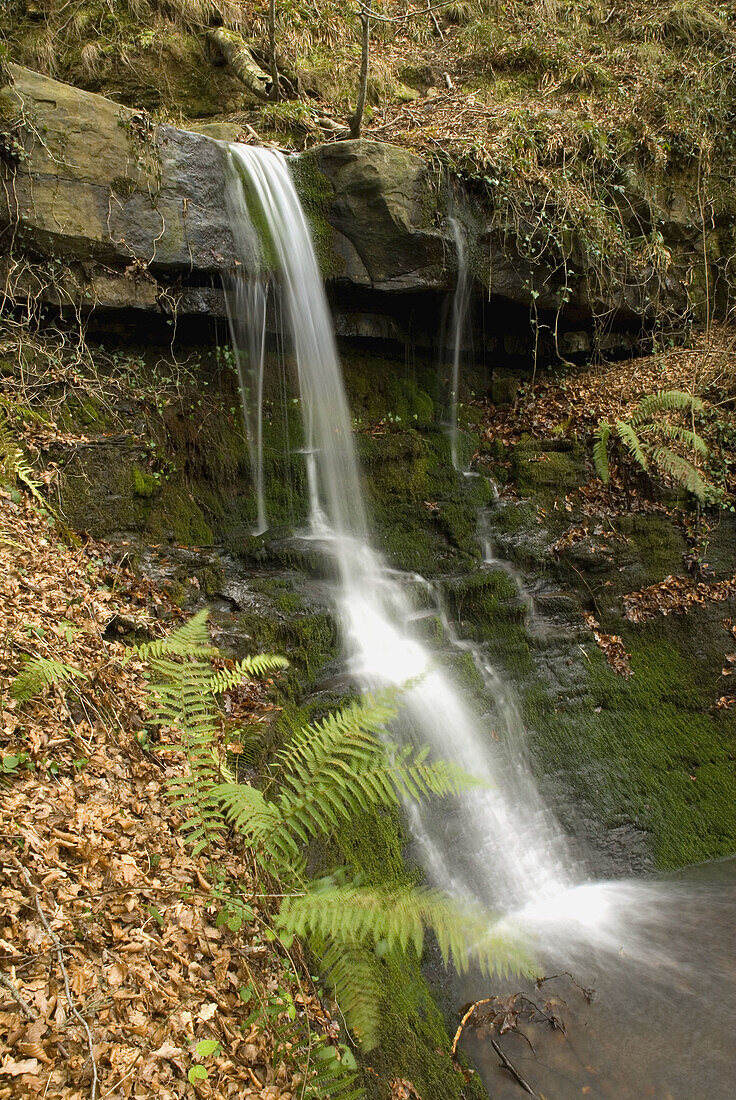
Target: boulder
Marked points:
101	182
387	234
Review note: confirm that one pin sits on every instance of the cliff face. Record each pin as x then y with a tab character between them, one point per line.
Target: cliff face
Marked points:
117	213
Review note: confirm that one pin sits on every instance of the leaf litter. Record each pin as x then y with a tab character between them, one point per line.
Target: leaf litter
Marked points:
107	920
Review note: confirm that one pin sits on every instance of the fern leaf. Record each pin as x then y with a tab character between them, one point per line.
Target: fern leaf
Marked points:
600	452
631	441
351	973
339	766
331	1081
680	470
664	401
325	1077
247	810
180	698
190	640
39	674
249	668
688	438
399	916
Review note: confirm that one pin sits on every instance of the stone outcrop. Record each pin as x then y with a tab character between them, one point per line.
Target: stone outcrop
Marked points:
130	215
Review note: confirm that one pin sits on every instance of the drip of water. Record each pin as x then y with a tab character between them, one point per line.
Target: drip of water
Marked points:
247	304
498	844
460	306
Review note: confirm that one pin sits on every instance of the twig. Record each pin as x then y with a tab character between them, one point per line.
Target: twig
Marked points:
62	967
507	1064
12	988
437	27
466	1017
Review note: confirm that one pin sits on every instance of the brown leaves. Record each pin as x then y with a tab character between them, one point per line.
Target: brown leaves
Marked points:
612	647
149	968
675	595
402	1089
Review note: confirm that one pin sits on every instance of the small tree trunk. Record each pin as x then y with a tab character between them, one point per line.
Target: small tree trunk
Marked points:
275	89
238	55
356	122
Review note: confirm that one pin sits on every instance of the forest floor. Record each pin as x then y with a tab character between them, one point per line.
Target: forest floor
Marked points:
570	402
122	974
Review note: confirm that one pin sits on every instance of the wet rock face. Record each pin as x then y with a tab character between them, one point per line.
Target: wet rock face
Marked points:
136	214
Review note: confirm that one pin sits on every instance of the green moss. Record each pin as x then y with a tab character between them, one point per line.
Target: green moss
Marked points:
539	470
144	484
177	515
650	749
486	598
315	193
414	1039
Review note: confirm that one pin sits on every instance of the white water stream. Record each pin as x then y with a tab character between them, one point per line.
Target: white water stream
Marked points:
498	844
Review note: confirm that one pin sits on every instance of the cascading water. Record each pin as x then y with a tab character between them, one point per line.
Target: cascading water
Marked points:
500	845
523	856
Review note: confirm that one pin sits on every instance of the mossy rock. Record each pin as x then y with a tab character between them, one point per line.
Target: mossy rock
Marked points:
537	469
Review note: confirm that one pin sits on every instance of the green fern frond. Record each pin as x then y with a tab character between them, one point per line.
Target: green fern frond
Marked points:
351	783
246	669
664	401
189	640
680	470
683	435
330	1080
600	451
14	464
180	699
631	441
399	916
259	823
39	674
340	766
356	726
351	973
325	1076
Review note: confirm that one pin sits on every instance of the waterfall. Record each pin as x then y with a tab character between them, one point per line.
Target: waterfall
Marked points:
519	855
460	307
498	844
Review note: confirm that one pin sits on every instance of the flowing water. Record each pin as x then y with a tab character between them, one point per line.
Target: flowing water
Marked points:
499	844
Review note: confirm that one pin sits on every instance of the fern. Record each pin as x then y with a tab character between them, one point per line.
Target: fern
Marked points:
325	1076
333	770
631	442
681	471
182	694
600	451
39	674
250	667
330	770
350	971
642	433
189	640
684	435
662	402
398	916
